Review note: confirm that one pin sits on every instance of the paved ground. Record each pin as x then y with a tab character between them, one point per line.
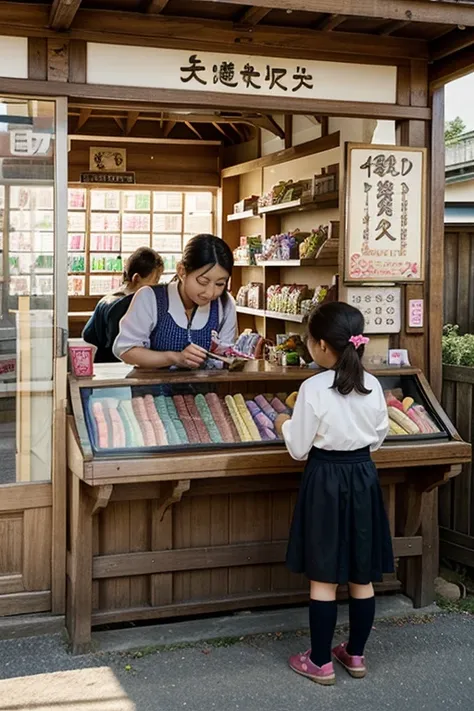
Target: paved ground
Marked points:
415	664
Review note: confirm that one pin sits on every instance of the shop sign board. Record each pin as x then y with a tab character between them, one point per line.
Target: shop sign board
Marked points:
385	213
108	178
222	72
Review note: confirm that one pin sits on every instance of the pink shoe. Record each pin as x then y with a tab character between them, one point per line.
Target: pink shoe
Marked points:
302	664
354	665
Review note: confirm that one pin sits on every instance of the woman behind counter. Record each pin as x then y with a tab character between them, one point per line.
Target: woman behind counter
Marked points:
143	267
172	325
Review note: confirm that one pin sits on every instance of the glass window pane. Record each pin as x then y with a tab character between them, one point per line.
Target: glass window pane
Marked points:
27	260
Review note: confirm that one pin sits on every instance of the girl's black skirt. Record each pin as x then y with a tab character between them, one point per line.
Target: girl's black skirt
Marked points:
340	530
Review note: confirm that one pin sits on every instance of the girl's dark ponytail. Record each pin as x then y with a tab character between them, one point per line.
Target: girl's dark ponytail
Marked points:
350	371
341	326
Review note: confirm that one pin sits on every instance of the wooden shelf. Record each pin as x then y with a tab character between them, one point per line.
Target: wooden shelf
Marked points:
246	264
322	201
294	318
235	217
250	312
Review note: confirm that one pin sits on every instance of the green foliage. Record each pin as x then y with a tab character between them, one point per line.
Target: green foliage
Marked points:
457	350
453	130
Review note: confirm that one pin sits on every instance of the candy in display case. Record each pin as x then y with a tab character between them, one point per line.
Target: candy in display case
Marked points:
411	416
179	416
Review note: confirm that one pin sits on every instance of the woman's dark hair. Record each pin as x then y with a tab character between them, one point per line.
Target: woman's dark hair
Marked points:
207	250
335	323
142	262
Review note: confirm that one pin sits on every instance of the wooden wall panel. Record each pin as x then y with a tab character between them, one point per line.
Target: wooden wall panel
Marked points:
459	278
157	164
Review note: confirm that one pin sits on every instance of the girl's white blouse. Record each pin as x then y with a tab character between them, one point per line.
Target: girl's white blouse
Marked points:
325	419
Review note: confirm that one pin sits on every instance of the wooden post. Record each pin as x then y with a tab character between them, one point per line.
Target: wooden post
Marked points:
79	607
436	263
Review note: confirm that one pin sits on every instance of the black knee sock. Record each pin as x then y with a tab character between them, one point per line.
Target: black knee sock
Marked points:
361	619
322	622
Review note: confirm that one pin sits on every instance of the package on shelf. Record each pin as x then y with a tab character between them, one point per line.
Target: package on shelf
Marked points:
241	296
286	191
282	247
247	203
106	263
286	298
251	343
250	247
327	181
76	286
311	245
318	297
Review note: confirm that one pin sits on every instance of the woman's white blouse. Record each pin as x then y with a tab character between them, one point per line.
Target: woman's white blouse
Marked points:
141	318
325	419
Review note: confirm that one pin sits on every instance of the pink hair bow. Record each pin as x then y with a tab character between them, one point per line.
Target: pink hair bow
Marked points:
358	341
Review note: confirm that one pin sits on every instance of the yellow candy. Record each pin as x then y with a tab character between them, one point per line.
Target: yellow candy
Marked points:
247	417
291	400
238	421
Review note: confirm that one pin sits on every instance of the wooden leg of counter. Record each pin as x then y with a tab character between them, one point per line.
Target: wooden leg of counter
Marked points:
79	607
420	572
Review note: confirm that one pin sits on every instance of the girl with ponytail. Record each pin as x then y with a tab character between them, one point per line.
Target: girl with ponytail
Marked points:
340	533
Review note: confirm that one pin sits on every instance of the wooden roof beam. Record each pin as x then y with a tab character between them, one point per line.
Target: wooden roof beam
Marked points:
216	35
84	116
453	43
193	129
63	13
447	12
168	128
393	26
253	15
329	23
221	130
132	118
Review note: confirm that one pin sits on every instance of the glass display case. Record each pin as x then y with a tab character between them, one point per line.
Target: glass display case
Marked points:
123	412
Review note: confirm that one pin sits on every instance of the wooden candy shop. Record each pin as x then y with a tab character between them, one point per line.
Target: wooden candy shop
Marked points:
309	137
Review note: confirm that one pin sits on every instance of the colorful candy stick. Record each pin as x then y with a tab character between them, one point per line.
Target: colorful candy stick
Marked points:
127	414
207	418
266	433
118	431
185	418
259	416
247	417
171	434
278	406
265	406
178	425
139	409
222	418
199	424
156	421
244	434
99	417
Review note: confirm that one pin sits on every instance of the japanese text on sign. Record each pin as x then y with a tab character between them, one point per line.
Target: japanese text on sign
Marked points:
246	76
385	214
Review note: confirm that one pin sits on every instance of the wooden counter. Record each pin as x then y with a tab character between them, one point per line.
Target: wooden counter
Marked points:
160	535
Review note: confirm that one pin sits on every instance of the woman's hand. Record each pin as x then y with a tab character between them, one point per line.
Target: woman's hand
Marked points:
191	357
280	420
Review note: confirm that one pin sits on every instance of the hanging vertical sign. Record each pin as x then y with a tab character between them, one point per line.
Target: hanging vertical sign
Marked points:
385	213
